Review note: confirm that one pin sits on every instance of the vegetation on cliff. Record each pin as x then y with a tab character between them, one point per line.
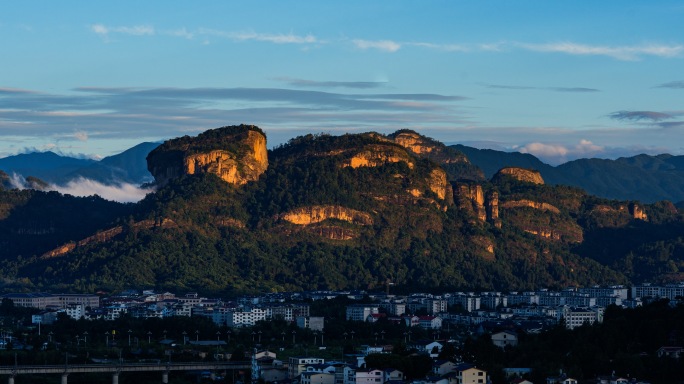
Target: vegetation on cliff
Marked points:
310	221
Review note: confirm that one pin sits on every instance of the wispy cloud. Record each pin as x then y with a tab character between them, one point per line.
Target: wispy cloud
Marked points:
279	38
136	30
640	115
82	187
331	84
672	84
555	89
123	193
617	52
381	45
443	47
154	113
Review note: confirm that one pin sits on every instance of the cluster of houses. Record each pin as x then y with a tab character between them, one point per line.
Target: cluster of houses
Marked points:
501	314
531	309
314	370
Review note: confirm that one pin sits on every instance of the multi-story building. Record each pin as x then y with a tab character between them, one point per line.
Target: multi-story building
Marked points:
468	301
611	291
45	300
359	312
576	317
297	365
246	318
493	300
75	311
670	291
369	376
311	322
468	374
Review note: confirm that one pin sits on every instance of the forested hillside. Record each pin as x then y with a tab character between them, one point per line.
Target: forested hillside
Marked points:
336	212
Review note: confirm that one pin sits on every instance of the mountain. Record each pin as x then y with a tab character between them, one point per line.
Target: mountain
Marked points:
47	166
642	178
334	212
129	166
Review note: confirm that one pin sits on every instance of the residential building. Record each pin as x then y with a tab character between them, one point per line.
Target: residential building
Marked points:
359	312
297	365
369	376
311	322
469	374
245	318
505	339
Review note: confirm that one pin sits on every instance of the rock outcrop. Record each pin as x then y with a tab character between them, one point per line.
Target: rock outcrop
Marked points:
105	236
521	174
424	147
493	209
470	197
530	204
236	154
377	155
316	214
637	212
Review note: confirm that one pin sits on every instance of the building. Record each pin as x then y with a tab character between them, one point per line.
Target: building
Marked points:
45	300
297	365
75	311
576	317
369	376
469	374
430	322
313	323
246	318
360	312
505	339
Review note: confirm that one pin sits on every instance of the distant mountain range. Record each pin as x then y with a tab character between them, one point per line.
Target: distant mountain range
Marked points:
643	177
129	166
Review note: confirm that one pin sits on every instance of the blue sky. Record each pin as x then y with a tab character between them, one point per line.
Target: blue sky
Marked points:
560	80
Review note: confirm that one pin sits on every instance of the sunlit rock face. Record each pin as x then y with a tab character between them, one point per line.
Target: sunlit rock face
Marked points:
316	214
521	174
236	154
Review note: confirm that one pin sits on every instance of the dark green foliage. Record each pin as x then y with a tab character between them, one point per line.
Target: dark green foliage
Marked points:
625	343
199	233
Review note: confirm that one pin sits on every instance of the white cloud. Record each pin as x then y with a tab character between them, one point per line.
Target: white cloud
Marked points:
544	150
123	193
81	136
137	30
276	39
280	38
617	52
382	45
442	47
182	32
557	153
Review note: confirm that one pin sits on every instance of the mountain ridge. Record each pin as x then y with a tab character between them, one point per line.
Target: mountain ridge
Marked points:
350	211
641	177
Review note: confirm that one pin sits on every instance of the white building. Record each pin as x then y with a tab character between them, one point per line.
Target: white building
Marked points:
246	318
360	312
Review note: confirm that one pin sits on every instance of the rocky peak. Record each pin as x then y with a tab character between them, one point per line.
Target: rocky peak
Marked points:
427	148
521	174
236	154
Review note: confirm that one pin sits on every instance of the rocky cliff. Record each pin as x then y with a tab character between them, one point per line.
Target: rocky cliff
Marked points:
236	154
521	174
427	148
316	214
375	155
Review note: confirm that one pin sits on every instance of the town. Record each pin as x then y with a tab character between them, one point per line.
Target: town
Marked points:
330	337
